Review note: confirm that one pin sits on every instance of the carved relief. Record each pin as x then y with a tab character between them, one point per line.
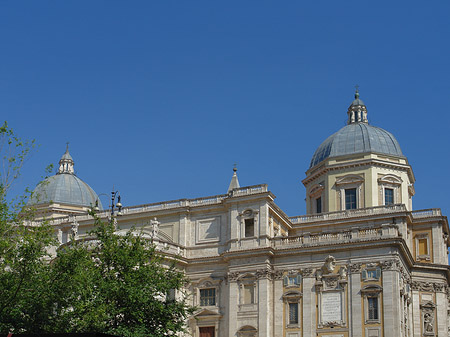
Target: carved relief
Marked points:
390	265
355	267
263	273
232	276
428	286
277	275
331	282
308	272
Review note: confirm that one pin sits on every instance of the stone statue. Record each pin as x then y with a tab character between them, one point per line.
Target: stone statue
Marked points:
343	272
428	322
154	227
330	264
319	274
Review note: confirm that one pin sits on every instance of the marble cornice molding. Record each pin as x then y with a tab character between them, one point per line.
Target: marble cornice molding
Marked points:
355	164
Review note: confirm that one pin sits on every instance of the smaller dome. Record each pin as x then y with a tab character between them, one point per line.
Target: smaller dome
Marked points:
65	187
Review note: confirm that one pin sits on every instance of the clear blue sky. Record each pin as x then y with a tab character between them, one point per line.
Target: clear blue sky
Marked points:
160	98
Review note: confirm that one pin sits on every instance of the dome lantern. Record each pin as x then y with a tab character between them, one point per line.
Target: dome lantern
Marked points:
66	162
357	111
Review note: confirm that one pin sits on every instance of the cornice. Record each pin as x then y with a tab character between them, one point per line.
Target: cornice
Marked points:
324	168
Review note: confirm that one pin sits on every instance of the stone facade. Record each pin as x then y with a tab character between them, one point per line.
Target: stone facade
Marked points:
376	269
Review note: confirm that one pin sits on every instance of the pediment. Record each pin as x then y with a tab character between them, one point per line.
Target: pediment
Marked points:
390	179
206	313
349	179
292	294
372	288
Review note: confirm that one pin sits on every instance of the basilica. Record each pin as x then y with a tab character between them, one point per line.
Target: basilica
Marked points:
362	262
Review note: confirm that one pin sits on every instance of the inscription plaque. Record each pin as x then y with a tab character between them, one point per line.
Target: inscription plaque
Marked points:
331	307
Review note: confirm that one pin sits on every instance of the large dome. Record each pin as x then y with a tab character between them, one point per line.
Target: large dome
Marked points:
357	137
65	187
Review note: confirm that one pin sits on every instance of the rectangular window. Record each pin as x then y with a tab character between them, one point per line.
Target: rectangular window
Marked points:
388	196
249	227
319	205
423	247
249	294
207	297
350	198
293	313
372	303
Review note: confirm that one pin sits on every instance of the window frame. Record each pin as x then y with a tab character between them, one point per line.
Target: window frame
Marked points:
289	298
375	312
351	202
207	283
417	238
214	297
243	282
248	214
365	274
393	183
349	182
290	318
319	205
248	225
372	291
392	196
297	280
316	192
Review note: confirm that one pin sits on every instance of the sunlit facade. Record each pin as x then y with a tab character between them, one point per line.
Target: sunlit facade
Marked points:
361	262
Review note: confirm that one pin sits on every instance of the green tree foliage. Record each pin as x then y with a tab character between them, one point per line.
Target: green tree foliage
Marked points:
110	283
117	284
23	251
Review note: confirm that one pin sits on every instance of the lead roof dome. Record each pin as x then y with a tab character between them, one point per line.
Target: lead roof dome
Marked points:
357	137
65	187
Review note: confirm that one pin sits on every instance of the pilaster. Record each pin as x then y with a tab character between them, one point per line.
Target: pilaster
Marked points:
232	307
278	307
355	304
441	306
439	252
309	304
264	310
391	303
416	313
